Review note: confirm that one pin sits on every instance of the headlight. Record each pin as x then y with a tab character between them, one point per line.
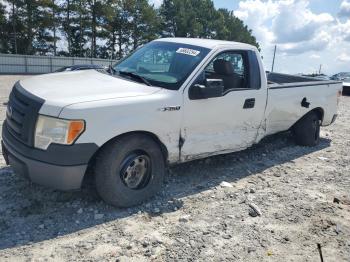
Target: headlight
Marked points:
54	130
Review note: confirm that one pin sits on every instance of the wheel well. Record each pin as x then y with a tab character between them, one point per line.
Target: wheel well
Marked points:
149	134
319	111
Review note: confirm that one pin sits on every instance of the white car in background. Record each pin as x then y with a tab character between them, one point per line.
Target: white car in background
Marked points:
345	78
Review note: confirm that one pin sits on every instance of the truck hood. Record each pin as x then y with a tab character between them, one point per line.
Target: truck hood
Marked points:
62	89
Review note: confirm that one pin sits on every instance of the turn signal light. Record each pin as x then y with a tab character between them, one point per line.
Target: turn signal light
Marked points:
74	130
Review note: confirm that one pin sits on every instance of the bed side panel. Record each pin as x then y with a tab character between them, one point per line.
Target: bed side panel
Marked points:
285	104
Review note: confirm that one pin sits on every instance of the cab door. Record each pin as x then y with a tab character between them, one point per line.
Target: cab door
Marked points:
229	122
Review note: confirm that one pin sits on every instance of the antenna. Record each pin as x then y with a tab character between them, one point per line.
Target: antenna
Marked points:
273	61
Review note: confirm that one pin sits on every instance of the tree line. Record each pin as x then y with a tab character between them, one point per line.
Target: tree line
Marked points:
109	28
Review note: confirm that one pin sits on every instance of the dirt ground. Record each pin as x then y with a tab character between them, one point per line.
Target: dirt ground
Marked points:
203	213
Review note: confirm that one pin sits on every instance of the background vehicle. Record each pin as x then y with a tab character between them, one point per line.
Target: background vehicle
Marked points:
345	78
80	67
171	101
318	76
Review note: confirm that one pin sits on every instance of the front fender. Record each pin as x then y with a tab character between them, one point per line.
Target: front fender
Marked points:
107	119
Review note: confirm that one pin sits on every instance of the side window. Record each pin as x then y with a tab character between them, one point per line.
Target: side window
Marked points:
231	67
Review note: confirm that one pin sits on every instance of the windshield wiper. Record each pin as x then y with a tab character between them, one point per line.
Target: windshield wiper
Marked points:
136	76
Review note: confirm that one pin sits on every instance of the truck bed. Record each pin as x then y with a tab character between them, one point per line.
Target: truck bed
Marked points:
279	80
286	94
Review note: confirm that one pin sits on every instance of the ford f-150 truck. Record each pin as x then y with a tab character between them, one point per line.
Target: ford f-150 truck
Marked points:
172	100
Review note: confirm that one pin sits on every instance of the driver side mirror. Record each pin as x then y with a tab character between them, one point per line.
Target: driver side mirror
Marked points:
212	88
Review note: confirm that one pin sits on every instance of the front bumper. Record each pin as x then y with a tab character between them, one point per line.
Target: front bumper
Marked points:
60	167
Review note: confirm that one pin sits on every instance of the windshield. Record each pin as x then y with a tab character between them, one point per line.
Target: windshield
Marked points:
162	64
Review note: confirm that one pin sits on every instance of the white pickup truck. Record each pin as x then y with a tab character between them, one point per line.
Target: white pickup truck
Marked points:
171	101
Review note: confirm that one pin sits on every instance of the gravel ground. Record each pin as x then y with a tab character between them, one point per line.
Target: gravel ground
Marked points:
204	213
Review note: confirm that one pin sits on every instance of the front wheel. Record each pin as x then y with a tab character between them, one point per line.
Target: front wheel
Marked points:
129	170
307	130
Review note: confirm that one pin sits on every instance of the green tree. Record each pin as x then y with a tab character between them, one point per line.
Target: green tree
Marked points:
110	28
29	13
232	28
188	18
143	22
115	25
13	30
55	12
199	18
175	18
95	15
19	34
65	28
79	27
47	19
4	30
75	26
28	29
127	25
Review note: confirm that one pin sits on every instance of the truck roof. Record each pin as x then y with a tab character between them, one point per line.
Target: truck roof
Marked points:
207	43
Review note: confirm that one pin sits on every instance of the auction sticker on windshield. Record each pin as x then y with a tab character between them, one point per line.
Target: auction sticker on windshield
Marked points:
187	51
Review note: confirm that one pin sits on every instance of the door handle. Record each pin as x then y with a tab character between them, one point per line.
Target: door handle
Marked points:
249	103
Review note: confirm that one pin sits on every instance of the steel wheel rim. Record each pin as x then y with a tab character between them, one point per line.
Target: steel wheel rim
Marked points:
136	170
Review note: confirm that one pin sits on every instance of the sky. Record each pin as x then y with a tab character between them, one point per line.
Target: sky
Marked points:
307	33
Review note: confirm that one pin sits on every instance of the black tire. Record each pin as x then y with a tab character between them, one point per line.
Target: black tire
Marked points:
115	171
307	130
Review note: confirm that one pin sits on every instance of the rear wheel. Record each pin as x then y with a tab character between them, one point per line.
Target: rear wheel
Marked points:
129	170
307	130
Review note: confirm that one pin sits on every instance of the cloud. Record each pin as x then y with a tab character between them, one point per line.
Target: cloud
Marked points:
156	3
344	30
344	9
297	25
314	56
343	57
256	14
318	43
290	24
304	38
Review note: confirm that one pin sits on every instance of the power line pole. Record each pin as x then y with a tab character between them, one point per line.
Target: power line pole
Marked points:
319	71
273	61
